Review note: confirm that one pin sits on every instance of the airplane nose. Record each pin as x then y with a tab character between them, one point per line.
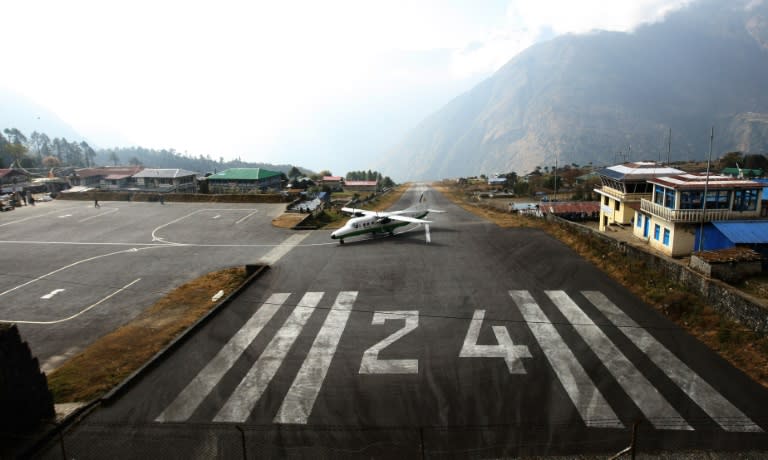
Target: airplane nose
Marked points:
333	235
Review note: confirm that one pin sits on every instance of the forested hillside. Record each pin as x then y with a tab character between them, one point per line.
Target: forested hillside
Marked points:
40	151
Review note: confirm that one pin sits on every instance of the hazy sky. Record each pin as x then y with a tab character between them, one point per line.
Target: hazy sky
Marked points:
322	84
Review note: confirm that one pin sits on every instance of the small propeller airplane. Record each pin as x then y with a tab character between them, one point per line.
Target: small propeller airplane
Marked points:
364	221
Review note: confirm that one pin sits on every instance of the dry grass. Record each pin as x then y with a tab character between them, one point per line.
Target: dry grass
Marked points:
288	220
115	356
743	348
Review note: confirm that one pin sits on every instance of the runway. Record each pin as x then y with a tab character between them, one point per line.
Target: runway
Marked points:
485	342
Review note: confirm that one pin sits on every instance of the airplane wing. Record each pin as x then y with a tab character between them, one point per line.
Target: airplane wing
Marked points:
388	215
362	212
412	220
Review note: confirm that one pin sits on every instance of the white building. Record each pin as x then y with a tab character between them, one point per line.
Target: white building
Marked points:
670	220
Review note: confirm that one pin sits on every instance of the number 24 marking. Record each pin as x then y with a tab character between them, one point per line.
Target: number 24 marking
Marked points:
506	349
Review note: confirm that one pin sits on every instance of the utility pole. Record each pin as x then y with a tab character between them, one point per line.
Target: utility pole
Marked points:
669	146
556	156
706	186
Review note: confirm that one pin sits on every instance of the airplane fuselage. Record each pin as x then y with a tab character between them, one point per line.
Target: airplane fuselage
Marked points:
371	224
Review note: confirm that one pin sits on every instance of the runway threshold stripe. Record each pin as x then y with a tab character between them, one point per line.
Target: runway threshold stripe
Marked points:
239	405
713	403
586	397
190	398
301	397
656	409
284	248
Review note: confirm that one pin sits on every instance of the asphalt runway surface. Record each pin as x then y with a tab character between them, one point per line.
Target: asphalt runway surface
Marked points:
71	272
486	342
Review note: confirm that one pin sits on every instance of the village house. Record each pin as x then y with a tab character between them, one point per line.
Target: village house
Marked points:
12	180
104	177
361	186
243	180
166	180
335	183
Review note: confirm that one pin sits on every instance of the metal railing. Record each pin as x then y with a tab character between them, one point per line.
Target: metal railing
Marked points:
616	194
694	215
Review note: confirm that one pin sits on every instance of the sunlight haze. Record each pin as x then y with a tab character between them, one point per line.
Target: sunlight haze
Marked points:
323	85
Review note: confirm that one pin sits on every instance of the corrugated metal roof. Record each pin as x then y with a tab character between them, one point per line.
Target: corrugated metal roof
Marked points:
165	173
744	231
640	170
243	174
570	207
697	181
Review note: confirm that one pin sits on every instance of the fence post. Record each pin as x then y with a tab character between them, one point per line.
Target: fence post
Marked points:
242	440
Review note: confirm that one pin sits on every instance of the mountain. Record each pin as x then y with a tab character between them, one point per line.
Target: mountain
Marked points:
19	112
604	97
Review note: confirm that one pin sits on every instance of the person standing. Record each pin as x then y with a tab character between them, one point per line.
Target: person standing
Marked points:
96	203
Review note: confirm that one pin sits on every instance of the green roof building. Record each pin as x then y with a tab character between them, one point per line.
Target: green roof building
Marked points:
239	180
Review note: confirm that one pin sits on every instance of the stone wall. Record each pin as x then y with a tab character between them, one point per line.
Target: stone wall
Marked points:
24	396
176	197
732	303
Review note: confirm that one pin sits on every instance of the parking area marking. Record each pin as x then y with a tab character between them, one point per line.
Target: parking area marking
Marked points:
81	312
51	294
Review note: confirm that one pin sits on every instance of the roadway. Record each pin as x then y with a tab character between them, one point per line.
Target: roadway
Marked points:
486	342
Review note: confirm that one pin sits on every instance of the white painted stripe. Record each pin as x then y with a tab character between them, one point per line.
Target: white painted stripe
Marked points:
301	397
239	405
246	217
190	398
217	296
713	403
101	214
279	251
84	310
586	397
426	231
37	216
70	266
51	294
656	409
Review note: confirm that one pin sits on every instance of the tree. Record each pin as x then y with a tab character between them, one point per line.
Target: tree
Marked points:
755	162
294	172
114	158
15	136
730	159
51	162
88	154
134	161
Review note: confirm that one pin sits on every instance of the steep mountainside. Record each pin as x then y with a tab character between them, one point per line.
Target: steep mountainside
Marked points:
585	98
